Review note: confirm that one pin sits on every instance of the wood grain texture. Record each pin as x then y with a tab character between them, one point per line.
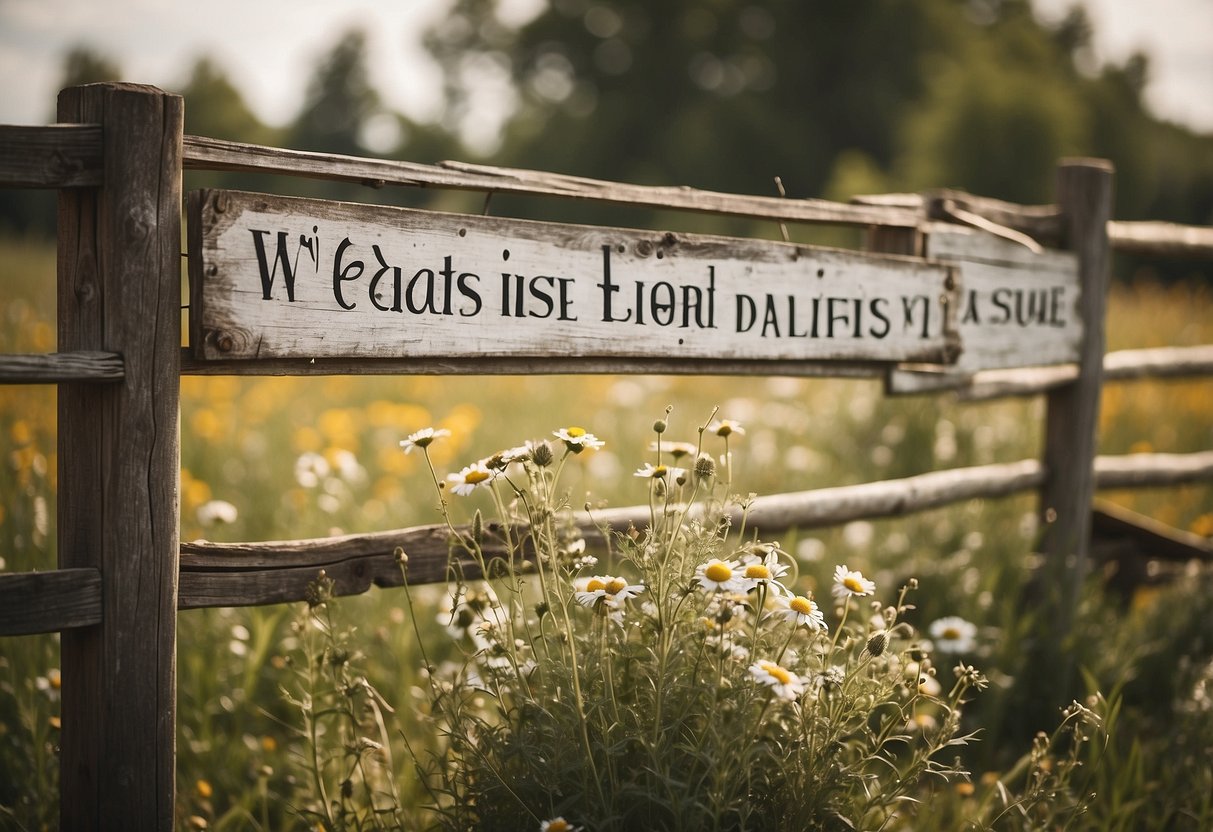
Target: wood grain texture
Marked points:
278	277
1122	365
49	602
1161	239
237	574
119	291
51	156
528	366
81	365
215	154
1084	191
1018	308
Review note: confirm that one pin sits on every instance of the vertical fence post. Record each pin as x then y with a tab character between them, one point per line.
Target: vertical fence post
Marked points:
120	290
1084	192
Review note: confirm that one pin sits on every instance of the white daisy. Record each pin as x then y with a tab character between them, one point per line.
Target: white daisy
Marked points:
216	511
466	481
848	582
422	438
608	589
726	427
664	472
763	570
720	575
558	824
801	610
785	683
952	634
577	440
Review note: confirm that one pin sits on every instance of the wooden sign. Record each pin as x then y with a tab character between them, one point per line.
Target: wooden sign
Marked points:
1017	308
276	277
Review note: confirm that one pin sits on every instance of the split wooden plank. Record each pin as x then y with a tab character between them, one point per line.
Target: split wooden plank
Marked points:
49	602
50	156
78	365
272	572
1161	239
215	154
275	277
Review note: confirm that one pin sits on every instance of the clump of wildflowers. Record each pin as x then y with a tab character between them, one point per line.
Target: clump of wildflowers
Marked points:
679	676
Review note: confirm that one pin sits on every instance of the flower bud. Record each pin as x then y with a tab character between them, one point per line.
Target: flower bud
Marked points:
659	426
705	467
877	643
542	455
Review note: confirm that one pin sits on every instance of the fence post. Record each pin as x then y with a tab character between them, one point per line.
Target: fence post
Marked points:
1084	192
119	287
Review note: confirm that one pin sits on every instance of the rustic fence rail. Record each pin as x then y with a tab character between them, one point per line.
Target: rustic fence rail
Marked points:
118	160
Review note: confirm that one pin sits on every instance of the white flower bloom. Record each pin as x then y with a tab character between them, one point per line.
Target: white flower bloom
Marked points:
676	450
765	569
720	575
726	427
577	440
785	683
608	589
558	825
801	610
216	511
665	472
310	469
952	634
466	481
423	438
848	582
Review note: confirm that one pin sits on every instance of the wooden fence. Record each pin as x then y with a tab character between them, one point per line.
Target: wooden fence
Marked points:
117	159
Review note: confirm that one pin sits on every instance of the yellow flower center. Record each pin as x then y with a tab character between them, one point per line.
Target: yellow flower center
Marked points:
951	634
718	572
576	432
758	570
559	825
595	584
616	586
777	672
476	477
801	605
659	471
853	583
724	430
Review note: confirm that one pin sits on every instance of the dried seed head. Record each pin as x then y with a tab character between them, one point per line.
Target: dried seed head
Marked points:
705	468
877	643
542	455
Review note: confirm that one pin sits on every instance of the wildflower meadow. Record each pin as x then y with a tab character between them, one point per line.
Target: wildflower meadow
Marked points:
690	672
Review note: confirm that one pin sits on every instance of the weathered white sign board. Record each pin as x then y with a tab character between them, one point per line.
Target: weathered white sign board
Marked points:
277	277
1017	308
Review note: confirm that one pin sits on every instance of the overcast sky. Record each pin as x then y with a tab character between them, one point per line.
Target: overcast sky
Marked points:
269	46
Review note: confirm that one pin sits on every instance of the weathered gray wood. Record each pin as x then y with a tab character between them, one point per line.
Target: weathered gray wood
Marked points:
1084	191
49	602
215	154
1043	223
1161	239
50	156
1122	365
82	365
276	277
527	366
119	291
1017	308
1156	539
237	574
1152	470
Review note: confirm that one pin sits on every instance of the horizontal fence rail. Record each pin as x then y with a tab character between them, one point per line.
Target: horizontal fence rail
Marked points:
249	574
215	154
1121	365
50	156
80	365
49	602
